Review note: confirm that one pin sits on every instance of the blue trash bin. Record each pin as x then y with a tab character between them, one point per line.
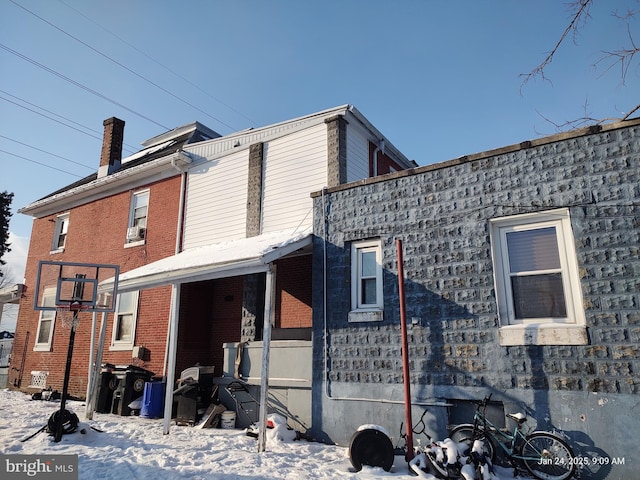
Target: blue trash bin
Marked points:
153	400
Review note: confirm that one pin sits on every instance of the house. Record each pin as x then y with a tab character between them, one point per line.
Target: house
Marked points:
521	280
215	238
126	214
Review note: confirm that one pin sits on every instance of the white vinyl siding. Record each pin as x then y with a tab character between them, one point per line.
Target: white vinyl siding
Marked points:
294	166
357	154
216	206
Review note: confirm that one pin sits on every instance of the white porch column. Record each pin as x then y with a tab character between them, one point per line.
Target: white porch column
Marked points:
173	348
94	366
266	344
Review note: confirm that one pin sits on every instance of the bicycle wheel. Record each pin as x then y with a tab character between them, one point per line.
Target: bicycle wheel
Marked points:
464	433
439	467
548	457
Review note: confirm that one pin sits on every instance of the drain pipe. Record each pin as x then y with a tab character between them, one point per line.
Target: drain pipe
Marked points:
178	247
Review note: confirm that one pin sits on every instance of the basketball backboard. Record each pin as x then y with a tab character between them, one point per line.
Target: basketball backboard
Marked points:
63	284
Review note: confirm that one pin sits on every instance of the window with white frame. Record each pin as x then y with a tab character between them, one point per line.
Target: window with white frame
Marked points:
536	277
60	232
124	323
366	281
138	217
46	322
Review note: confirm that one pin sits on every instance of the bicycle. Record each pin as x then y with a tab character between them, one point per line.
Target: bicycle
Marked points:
430	450
544	454
371	445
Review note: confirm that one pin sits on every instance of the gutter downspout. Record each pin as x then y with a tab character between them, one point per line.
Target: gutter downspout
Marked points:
178	246
379	148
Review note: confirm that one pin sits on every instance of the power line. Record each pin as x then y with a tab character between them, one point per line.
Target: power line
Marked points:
130	149
40	163
123	66
48	153
78	84
158	62
50	118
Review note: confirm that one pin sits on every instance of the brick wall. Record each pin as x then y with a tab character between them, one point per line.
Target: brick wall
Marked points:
97	234
293	293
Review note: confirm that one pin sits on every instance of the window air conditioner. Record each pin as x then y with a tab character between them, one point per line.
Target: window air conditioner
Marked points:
135	233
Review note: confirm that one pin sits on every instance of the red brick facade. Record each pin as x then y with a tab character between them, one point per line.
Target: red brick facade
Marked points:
97	234
293	293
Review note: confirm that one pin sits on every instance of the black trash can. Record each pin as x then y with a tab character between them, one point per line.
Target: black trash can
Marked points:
106	385
129	385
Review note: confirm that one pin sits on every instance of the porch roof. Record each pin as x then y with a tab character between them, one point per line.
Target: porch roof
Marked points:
226	259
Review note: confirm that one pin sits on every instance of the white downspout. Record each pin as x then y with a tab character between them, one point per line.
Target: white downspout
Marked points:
178	246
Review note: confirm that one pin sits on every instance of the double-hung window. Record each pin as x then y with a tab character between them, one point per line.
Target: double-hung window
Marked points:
46	322
60	233
137	226
124	323
366	281
537	282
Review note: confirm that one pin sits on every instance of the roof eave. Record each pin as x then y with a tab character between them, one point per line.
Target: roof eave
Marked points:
145	173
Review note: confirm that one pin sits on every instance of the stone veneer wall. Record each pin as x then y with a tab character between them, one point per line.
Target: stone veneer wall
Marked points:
442	214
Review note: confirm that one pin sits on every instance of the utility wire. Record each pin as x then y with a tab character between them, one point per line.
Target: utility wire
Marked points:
123	66
50	118
48	153
253	122
42	164
78	84
131	149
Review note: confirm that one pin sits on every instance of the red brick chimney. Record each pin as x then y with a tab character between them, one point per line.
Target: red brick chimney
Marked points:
111	154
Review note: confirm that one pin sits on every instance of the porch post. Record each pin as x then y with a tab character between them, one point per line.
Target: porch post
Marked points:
96	366
266	344
173	348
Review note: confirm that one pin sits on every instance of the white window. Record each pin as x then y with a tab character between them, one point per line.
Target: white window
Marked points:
46	323
537	282
366	281
124	324
138	217
60	232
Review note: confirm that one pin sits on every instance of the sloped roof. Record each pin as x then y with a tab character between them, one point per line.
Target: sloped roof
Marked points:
155	147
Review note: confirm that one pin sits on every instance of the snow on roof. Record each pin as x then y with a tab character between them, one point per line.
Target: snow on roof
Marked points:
230	258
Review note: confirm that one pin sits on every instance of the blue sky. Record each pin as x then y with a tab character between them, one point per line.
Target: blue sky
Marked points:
440	79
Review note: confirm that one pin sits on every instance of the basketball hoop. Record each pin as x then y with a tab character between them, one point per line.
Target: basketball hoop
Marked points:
67	314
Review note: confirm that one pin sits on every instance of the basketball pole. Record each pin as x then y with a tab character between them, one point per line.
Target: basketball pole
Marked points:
67	374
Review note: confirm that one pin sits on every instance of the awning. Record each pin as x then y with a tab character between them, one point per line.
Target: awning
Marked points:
227	259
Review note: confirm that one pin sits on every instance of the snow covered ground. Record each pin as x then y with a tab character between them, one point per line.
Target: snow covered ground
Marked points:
135	448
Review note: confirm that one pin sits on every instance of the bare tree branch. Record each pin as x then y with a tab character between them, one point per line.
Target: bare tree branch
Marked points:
580	16
624	57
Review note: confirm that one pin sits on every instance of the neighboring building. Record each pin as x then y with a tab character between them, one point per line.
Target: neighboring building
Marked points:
199	243
522	279
126	214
